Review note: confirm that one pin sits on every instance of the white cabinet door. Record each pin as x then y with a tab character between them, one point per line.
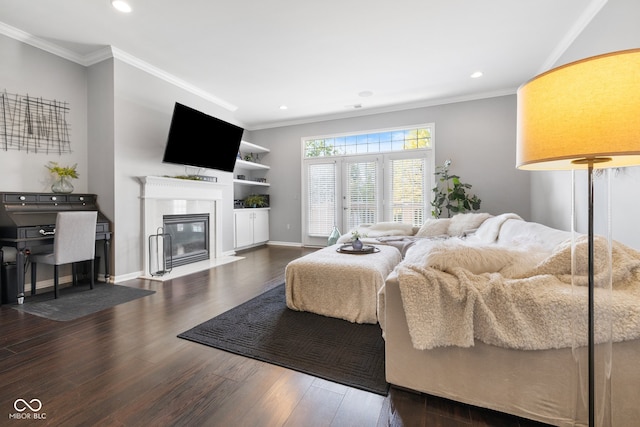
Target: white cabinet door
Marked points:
260	226
251	227
243	228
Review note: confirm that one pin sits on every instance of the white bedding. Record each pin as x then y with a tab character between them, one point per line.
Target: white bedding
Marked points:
516	297
339	285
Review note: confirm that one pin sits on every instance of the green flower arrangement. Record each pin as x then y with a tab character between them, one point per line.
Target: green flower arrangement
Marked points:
63	171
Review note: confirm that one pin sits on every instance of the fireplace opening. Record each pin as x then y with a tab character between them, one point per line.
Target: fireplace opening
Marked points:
189	238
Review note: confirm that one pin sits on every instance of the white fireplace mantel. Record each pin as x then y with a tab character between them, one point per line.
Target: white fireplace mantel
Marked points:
170	196
159	187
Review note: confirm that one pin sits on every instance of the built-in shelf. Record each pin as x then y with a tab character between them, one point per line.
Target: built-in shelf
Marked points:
251	183
243	164
248	147
251	224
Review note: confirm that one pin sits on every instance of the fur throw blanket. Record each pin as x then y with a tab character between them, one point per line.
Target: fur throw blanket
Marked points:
454	291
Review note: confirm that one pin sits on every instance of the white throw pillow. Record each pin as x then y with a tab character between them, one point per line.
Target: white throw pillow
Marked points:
462	223
434	227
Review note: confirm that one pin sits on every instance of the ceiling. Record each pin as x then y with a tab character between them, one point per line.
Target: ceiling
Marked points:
322	59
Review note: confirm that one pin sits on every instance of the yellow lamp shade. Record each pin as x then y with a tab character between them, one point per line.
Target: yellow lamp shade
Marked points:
583	112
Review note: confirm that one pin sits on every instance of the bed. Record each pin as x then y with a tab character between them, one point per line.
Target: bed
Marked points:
533	378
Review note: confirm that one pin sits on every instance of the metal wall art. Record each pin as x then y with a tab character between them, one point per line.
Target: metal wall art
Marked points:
34	125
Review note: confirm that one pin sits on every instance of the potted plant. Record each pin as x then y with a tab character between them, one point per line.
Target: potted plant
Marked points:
451	194
255	201
63	174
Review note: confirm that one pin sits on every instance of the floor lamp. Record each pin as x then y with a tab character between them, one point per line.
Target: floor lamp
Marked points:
583	115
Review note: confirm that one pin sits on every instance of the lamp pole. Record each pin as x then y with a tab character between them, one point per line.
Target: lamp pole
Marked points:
590	161
590	314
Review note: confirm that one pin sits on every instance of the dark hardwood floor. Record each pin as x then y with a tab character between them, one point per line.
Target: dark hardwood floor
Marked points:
124	366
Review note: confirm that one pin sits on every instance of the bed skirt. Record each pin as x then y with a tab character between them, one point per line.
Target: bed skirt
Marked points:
541	385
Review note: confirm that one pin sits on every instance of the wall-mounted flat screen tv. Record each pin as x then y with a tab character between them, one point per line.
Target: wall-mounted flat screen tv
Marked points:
200	140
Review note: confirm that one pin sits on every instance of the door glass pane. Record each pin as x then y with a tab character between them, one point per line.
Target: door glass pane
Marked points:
361	193
408	190
321	199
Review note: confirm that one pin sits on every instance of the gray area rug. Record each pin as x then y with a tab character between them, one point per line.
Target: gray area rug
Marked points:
333	349
74	302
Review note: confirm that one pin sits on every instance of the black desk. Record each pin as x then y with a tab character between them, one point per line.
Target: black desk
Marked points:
27	221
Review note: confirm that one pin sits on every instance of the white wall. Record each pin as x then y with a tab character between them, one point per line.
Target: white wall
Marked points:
478	136
614	28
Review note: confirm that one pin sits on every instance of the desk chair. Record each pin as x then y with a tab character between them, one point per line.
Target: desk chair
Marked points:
74	241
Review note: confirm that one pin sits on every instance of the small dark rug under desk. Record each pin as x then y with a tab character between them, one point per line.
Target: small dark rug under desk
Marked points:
78	301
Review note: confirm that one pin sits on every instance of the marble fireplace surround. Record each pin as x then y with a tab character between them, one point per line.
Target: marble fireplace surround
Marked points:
169	196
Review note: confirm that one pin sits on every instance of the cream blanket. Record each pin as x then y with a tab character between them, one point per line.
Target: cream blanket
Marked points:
454	292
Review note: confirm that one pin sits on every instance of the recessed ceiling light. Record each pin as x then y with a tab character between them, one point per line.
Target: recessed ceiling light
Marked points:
283	107
476	74
121	6
365	93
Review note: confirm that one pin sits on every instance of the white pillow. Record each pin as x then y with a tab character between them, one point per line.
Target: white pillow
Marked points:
391	229
434	227
380	229
462	223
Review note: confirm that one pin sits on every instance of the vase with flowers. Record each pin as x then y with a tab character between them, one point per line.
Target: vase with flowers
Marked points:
356	243
64	175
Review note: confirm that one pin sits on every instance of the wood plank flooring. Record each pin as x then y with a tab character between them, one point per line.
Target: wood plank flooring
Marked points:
124	366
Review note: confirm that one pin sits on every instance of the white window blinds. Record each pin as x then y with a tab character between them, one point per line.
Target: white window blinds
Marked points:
321	198
361	193
408	190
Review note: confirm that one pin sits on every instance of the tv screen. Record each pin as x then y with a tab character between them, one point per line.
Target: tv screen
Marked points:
200	140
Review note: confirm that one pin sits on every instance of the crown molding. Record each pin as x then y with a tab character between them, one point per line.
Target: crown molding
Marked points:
106	53
40	43
583	21
161	74
383	109
97	56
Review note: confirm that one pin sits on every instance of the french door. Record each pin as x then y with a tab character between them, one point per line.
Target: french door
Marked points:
347	191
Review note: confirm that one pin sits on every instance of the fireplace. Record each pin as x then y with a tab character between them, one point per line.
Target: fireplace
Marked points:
165	197
189	238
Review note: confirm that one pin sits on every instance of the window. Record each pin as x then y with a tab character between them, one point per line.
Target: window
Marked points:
378	142
366	178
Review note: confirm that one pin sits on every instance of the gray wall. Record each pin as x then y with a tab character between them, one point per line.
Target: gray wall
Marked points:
25	70
143	105
614	28
478	136
119	119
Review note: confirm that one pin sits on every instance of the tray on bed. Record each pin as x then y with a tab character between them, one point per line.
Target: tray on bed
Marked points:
349	249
